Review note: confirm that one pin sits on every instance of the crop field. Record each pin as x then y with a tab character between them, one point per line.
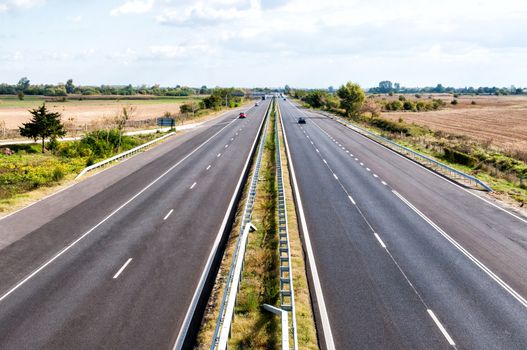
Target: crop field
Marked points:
499	121
88	110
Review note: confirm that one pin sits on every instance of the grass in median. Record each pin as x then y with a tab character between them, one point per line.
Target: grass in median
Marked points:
254	327
307	335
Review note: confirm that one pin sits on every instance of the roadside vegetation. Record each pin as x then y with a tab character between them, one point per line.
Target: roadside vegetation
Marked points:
27	168
254	327
505	170
307	334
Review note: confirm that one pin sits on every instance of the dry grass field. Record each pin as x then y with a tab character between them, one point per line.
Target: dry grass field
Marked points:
86	111
498	120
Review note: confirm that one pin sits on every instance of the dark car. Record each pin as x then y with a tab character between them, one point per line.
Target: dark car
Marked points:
242	115
301	120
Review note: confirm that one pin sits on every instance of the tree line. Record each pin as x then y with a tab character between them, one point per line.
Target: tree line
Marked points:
24	87
386	87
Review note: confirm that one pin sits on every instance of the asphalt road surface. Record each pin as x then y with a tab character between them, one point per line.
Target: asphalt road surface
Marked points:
114	262
404	258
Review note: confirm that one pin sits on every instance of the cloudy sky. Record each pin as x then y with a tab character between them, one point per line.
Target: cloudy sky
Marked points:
303	43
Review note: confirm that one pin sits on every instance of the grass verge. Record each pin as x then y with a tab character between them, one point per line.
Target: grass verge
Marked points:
27	174
306	330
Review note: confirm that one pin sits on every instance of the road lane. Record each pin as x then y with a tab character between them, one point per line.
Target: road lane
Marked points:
75	303
349	213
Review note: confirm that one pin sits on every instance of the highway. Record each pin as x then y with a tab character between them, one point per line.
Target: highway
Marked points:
399	257
123	259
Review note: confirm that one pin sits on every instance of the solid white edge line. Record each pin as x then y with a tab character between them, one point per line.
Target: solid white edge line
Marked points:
478	263
194	184
431	172
380	240
352	200
122	268
190	311
68	247
169	213
326	327
441	328
335	175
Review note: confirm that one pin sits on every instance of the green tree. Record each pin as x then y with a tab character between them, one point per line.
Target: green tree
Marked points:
20	95
70	88
23	84
351	98
44	124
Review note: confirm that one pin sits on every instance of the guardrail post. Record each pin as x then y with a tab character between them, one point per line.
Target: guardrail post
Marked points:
285	323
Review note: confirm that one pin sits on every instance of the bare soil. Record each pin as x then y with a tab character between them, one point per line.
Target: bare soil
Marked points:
82	114
500	121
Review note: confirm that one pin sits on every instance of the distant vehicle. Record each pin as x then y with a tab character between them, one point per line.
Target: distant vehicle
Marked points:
256	104
301	120
263	97
242	115
284	98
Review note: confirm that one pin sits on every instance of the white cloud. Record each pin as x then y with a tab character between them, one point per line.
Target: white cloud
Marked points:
75	19
19	4
211	12
133	7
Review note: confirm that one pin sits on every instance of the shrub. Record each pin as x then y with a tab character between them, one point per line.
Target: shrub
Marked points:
57	174
454	102
473	102
408	106
458	157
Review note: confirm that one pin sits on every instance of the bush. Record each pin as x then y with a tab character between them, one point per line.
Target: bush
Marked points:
408	106
458	157
388	125
454	102
473	102
57	174
52	145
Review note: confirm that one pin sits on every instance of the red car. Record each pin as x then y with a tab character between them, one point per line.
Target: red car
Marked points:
242	115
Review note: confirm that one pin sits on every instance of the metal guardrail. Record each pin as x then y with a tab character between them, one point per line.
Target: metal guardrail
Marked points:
285	322
224	322
121	155
416	156
287	295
